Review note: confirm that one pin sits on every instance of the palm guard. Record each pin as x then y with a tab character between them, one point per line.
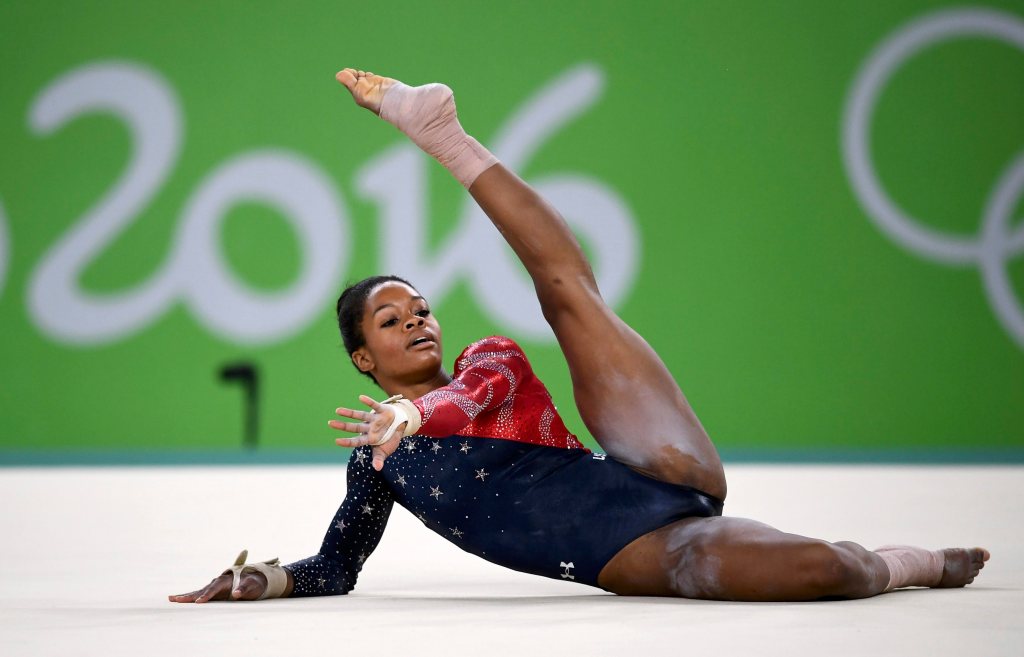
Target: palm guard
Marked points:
405	411
277	577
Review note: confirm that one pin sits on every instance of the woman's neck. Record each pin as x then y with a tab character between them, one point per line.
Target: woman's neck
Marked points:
417	389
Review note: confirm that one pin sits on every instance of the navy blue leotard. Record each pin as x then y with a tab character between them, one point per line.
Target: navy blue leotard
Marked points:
537	503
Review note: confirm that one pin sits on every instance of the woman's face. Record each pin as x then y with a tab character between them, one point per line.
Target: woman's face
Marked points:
403	340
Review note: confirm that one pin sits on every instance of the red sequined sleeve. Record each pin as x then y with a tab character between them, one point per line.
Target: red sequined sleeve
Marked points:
486	377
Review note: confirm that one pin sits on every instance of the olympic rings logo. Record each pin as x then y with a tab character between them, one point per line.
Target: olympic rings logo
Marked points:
996	242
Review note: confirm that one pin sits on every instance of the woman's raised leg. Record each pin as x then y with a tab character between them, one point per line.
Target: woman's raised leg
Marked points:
626	396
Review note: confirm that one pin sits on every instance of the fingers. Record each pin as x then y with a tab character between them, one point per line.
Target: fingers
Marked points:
378	458
372	438
354	441
185	597
377	406
371	429
355	415
250	587
351	427
217	589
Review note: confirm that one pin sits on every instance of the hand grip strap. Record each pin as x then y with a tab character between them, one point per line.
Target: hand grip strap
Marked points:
277	578
405	411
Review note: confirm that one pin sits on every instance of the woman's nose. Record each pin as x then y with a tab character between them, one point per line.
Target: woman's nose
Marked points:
412	323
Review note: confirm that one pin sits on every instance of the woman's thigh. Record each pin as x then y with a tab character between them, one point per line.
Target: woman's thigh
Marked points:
626	396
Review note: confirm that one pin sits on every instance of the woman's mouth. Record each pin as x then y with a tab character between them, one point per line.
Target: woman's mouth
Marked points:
418	342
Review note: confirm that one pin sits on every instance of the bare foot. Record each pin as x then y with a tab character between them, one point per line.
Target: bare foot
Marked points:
962	566
366	88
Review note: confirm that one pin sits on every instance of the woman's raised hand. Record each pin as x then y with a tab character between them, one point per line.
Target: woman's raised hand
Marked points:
250	587
371	427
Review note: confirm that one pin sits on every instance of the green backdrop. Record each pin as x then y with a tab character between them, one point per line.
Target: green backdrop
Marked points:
762	258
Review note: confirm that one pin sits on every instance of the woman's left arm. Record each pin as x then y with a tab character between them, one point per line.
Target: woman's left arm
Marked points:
352	535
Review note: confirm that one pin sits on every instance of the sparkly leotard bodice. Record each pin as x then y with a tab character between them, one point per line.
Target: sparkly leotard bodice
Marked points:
495	471
494	394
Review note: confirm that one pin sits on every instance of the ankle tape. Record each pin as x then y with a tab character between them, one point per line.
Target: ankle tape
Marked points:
427	115
911	566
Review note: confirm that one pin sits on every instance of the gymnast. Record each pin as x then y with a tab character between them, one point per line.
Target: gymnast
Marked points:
482	457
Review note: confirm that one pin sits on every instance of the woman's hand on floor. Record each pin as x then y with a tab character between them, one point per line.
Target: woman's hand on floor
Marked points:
371	427
250	587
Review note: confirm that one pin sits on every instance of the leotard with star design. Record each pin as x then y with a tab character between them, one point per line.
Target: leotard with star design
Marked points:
494	470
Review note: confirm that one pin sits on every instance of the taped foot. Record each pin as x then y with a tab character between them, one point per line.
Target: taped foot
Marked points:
427	115
914	566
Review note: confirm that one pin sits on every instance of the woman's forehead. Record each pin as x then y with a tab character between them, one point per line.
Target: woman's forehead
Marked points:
393	290
389	295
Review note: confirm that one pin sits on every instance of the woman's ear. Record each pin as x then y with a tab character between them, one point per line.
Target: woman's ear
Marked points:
363	361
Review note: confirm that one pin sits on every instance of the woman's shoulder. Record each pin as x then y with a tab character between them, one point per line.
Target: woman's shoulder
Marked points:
494	347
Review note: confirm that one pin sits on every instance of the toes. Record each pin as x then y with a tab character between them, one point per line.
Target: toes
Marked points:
979	556
346	77
367	88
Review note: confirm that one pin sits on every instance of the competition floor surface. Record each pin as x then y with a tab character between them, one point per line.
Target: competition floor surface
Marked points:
90	555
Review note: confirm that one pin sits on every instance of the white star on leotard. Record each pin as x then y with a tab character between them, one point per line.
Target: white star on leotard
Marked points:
436	447
421	518
480	474
401	480
435	492
340	525
361	558
410	446
367	509
360	457
465	447
456	533
322	582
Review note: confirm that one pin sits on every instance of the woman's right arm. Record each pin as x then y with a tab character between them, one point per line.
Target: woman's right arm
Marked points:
487	374
352	536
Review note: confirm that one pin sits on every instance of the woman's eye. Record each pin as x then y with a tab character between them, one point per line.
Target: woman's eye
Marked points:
423	313
390	322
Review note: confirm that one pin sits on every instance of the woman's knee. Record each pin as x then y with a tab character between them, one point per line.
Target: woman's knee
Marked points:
834	570
699	562
696	570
